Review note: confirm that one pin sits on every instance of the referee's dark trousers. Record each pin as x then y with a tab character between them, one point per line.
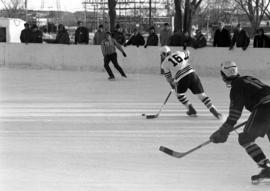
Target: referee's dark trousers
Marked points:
113	58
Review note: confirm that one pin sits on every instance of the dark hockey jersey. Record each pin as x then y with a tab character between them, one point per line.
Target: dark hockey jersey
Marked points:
248	92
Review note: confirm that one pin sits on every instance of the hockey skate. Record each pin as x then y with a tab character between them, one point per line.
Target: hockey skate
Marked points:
264	174
215	113
191	111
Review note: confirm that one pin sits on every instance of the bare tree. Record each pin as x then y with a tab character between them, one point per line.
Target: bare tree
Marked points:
255	10
112	13
12	8
178	24
190	8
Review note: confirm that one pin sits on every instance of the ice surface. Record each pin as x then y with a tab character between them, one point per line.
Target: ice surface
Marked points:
77	131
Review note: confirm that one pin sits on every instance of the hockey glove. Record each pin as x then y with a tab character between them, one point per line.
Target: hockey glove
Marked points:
124	54
172	84
222	134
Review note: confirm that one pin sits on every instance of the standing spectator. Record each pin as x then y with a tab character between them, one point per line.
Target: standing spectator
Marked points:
26	34
118	35
99	35
36	35
261	40
136	39
109	52
199	40
240	38
152	39
62	36
222	37
81	34
165	34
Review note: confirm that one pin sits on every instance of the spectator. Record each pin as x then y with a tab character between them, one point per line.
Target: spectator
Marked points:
165	35
199	40
176	39
136	39
62	36
36	35
240	38
26	34
108	47
118	35
99	35
152	39
260	39
81	34
222	37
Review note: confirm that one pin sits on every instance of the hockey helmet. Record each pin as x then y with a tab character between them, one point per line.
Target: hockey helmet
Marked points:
229	71
165	50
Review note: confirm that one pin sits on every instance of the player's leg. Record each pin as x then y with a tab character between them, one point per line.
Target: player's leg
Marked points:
180	90
197	89
208	103
107	60
116	65
258	126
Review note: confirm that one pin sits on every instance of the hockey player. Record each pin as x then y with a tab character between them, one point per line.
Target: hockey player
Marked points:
181	76
251	93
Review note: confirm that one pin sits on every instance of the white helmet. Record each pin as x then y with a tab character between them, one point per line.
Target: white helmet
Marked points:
229	71
165	50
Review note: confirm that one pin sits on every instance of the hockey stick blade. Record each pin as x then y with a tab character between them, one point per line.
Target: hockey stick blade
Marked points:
182	154
171	152
151	116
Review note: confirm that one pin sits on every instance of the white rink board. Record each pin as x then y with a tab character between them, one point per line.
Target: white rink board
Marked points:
206	61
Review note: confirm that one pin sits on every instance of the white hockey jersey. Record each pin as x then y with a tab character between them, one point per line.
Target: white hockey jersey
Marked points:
176	66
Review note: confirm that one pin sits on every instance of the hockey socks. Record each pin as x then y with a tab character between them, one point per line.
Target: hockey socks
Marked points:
207	102
256	153
183	99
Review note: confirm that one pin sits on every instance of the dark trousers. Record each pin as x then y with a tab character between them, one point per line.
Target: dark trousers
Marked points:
113	58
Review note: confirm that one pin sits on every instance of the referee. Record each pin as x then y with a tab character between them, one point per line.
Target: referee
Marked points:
109	52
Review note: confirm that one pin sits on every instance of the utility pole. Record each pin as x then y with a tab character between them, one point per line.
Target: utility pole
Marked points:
25	9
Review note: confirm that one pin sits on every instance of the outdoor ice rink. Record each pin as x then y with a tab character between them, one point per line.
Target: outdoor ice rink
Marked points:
77	131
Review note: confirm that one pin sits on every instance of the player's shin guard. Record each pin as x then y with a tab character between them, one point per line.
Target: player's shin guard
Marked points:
208	103
183	99
256	153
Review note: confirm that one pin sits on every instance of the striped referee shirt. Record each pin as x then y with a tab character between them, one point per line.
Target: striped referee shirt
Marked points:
108	47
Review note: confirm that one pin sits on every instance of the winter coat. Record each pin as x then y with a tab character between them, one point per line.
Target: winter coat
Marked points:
62	37
81	35
99	37
240	38
165	36
222	38
152	40
136	40
119	37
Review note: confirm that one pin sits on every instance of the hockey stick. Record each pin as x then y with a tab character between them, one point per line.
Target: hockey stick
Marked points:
156	115
182	154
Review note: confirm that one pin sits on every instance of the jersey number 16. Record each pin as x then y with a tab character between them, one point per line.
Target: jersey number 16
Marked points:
175	60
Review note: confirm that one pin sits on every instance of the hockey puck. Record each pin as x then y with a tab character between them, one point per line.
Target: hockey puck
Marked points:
143	114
